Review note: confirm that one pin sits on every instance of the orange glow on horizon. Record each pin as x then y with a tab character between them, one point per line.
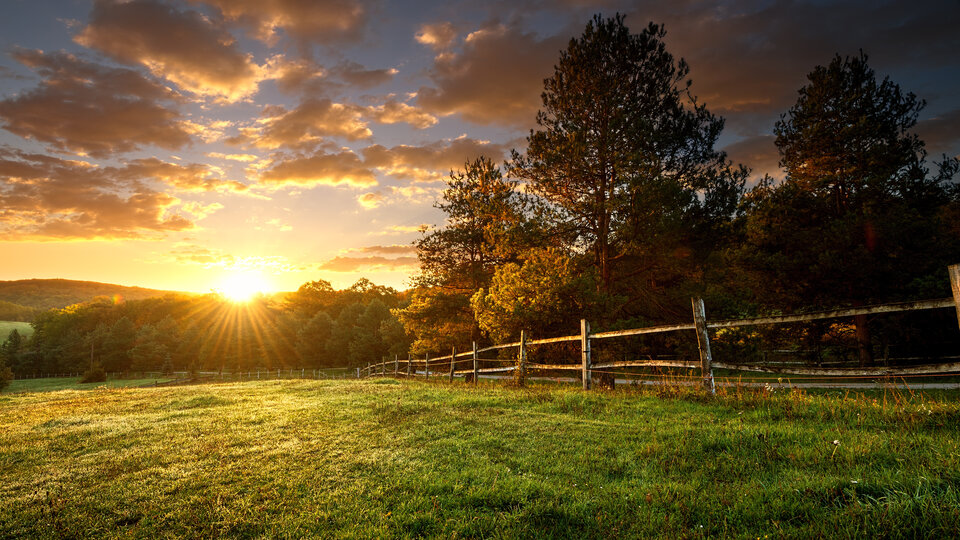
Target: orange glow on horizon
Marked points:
243	287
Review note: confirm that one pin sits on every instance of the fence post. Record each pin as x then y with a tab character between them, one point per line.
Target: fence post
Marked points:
703	342
476	365
453	362
426	365
522	375
396	365
408	364
585	353
955	286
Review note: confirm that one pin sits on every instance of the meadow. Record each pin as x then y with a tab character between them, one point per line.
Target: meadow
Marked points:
6	327
386	458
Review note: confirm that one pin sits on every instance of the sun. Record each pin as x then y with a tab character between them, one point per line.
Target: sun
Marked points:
243	287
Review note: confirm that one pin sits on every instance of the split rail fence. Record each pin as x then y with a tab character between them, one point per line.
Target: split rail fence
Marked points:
452	365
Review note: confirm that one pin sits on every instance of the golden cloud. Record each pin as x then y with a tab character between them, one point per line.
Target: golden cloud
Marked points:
305	126
343	168
189	177
48	197
431	162
373	262
370	200
182	46
437	36
321	21
91	109
395	112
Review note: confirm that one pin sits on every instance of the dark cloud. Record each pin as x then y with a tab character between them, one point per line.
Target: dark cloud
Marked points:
759	153
358	76
184	177
91	109
941	133
182	46
496	78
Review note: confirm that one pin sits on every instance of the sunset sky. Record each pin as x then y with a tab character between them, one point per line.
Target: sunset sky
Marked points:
181	144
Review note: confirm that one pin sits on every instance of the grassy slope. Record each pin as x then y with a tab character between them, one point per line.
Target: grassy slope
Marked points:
6	327
55	384
376	458
57	293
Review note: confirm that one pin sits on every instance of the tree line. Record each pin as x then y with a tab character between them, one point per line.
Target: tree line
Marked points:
314	327
621	209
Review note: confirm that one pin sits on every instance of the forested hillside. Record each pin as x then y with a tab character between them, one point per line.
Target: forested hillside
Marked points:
43	294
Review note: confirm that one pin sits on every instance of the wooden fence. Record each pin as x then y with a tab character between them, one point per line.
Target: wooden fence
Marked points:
448	365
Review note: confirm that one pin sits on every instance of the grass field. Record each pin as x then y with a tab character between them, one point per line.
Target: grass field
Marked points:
379	458
73	383
6	327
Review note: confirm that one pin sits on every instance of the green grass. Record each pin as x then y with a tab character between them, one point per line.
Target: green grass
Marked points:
6	327
73	383
380	458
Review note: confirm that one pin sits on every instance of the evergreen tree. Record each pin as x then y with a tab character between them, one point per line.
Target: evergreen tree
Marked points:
625	155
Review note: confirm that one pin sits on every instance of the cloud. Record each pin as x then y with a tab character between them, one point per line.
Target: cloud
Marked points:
759	153
181	46
401	229
430	162
91	109
437	36
42	197
372	262
941	132
305	126
393	249
340	169
496	78
395	112
244	158
217	258
358	76
318	21
189	177
370	200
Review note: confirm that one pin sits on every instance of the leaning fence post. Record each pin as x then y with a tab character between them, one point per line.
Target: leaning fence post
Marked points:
955	285
453	362
585	352
476	365
703	342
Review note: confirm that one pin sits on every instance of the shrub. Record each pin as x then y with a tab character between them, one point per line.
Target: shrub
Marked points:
5	376
94	374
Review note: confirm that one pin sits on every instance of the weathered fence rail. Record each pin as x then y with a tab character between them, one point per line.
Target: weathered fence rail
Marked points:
701	325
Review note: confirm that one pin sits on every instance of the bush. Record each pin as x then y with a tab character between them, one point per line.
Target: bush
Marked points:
94	374
5	376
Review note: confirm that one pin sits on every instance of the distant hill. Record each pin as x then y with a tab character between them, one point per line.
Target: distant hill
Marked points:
43	294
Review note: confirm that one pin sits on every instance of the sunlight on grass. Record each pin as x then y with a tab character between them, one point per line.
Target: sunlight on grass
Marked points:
380	458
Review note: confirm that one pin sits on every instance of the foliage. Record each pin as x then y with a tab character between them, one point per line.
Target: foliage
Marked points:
543	295
190	333
624	154
94	374
858	218
15	312
486	226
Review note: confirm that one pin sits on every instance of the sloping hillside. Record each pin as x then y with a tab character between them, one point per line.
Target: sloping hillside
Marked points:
56	293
